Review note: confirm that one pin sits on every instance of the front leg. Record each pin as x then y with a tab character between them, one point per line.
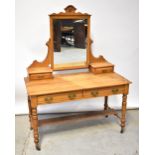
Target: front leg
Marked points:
35	127
124	103
30	112
35	122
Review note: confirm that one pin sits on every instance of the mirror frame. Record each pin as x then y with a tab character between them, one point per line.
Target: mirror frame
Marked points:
70	13
48	62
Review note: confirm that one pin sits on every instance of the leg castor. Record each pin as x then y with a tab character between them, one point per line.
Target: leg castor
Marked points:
106	116
38	147
122	130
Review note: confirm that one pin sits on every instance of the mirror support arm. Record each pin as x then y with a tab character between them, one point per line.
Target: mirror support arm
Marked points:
47	61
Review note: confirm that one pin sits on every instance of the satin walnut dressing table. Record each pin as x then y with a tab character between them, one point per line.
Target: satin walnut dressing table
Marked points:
70	36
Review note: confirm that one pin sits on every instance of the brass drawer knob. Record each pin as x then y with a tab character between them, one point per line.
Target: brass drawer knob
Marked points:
115	90
94	93
71	96
48	99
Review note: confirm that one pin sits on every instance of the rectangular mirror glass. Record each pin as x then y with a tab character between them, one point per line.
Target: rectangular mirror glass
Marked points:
70	43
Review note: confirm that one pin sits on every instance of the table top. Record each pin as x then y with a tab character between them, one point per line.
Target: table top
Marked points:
74	82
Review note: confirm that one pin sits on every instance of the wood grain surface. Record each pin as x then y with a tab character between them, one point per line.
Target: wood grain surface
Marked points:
73	82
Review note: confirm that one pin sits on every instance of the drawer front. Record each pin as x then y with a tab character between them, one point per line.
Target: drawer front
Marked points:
40	76
62	97
102	70
104	92
92	93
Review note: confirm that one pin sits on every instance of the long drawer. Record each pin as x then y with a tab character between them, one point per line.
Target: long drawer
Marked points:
75	95
103	92
59	97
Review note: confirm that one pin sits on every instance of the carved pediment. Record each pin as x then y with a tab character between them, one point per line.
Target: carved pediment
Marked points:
69	10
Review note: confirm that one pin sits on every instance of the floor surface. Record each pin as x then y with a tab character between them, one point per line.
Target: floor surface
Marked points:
100	136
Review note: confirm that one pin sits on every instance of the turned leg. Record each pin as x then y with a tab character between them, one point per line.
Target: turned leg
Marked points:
35	127
106	104
30	112
124	103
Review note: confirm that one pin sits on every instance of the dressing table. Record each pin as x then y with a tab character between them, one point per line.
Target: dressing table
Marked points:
70	38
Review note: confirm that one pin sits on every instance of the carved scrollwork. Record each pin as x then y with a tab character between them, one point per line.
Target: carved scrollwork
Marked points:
70	8
93	58
46	61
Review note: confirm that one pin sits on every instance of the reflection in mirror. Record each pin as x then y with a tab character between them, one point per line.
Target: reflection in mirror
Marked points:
70	40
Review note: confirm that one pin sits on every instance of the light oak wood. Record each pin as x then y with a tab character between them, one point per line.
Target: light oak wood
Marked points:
69	66
101	67
49	60
101	70
78	117
101	64
35	122
44	87
76	95
70	13
124	104
40	76
30	112
37	70
74	82
60	97
104	91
